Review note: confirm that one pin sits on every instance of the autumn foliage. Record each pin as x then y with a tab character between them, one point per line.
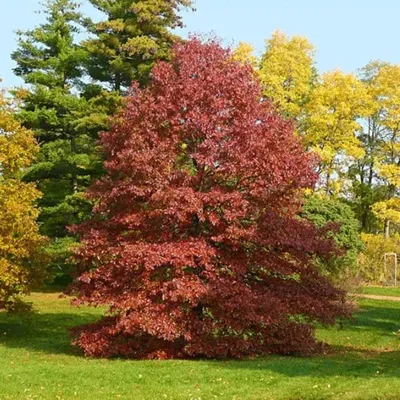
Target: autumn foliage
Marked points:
195	244
21	261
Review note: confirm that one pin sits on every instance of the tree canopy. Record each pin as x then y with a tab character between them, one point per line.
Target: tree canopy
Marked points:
195	245
133	36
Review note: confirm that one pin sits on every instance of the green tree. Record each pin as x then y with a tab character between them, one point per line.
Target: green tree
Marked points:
135	33
322	210
64	123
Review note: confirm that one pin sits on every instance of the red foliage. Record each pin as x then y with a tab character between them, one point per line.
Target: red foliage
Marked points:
195	244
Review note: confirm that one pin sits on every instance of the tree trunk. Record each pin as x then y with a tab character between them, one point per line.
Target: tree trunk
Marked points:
387	229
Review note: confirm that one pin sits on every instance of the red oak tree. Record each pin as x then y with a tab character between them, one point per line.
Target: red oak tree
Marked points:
195	244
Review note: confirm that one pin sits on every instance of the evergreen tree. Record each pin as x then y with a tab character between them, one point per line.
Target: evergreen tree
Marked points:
64	122
134	35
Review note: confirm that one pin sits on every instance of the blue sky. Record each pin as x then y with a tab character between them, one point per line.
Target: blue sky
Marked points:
347	33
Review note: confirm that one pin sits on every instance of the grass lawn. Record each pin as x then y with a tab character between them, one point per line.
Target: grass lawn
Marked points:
382	291
37	362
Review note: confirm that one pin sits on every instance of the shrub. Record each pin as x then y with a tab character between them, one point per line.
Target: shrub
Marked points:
325	212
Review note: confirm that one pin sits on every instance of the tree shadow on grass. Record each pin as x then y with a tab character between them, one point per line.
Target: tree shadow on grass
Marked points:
359	364
343	360
379	320
49	333
42	332
53	288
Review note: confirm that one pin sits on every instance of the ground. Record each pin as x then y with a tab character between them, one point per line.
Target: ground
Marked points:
381	291
37	362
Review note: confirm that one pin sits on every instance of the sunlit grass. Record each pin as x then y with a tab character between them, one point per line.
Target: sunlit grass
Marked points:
38	362
382	291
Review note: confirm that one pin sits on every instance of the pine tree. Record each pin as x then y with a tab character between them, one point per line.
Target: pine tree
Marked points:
64	123
134	35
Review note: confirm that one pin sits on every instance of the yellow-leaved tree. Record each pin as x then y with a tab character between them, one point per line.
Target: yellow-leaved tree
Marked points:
379	172
387	89
325	109
21	263
287	72
244	53
331	125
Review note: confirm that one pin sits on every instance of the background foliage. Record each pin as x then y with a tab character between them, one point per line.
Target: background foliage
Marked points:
21	264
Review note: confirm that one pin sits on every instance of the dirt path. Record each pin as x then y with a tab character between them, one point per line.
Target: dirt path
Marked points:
377	297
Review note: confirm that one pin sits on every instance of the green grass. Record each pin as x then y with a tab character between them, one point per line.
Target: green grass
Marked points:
37	362
382	291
